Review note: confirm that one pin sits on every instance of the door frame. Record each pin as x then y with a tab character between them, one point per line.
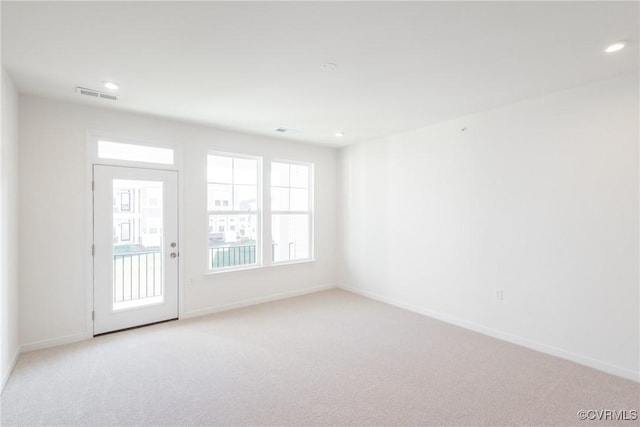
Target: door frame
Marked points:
109	316
91	149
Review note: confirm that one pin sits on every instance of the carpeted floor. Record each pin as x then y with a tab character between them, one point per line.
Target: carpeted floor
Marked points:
330	358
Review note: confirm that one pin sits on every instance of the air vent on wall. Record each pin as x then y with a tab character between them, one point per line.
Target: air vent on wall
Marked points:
95	93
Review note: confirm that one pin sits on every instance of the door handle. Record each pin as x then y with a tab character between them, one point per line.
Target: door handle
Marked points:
173	254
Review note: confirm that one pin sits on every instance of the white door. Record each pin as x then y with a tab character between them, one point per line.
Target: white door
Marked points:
135	233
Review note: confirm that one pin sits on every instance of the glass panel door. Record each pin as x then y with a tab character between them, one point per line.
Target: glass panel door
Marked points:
136	251
137	243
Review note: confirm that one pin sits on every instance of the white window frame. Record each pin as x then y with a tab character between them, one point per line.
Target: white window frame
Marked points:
93	137
309	212
258	212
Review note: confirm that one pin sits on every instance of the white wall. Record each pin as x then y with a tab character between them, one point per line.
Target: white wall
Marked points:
53	292
538	198
8	229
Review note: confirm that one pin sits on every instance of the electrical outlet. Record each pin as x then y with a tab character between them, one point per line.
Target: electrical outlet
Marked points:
499	294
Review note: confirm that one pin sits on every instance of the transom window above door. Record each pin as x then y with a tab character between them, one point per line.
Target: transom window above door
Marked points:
135	153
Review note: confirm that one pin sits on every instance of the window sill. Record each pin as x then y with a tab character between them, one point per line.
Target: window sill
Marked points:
260	267
298	261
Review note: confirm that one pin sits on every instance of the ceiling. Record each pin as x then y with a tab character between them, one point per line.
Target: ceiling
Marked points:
256	66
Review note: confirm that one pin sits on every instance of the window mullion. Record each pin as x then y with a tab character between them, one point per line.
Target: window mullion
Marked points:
232	212
289	185
233	183
290	212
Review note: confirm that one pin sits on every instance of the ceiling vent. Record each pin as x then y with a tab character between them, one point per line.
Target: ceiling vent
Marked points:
95	93
287	131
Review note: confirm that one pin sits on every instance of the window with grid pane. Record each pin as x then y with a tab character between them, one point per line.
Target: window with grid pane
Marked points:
291	211
234	210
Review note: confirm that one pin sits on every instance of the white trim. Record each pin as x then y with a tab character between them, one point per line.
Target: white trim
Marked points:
69	339
295	261
291	212
259	213
182	270
55	342
222	270
93	136
91	151
258	267
91	155
514	339
230	213
310	212
254	301
293	162
107	317
12	365
267	235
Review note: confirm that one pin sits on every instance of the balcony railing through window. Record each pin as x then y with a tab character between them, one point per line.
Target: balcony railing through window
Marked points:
137	275
232	256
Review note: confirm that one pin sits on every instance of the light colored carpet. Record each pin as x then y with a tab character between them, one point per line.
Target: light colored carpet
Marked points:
330	358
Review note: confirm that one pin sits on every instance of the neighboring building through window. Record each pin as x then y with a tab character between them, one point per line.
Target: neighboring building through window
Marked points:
233	205
291	211
125	231
137	215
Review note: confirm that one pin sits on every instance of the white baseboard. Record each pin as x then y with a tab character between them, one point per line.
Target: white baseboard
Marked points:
69	339
543	348
54	342
254	301
6	375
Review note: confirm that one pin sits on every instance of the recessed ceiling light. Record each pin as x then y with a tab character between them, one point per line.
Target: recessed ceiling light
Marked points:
615	47
111	85
339	134
329	66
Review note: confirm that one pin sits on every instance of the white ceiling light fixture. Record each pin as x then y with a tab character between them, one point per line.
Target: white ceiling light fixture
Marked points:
339	134
111	85
615	47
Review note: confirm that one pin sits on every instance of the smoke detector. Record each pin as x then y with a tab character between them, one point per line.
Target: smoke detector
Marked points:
329	66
